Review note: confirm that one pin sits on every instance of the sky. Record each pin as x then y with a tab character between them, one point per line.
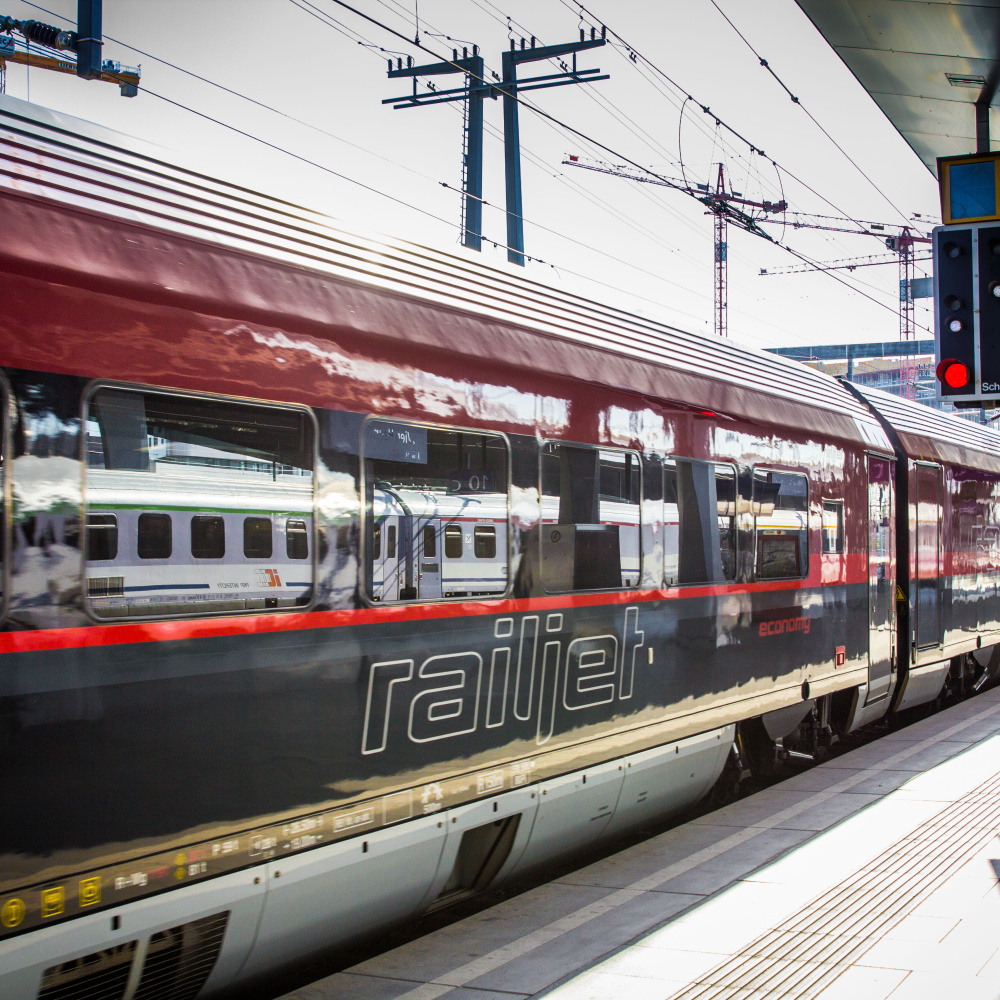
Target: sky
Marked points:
314	131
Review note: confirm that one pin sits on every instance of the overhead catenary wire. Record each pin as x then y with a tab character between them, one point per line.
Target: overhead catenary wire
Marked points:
541	113
631	162
795	100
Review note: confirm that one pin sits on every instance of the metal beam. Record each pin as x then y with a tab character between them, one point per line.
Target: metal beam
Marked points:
841	352
511	129
90	38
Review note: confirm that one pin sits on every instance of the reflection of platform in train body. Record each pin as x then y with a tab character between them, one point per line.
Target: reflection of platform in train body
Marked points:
428	543
182	537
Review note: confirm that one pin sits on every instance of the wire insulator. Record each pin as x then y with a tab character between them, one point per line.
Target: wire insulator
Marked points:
48	35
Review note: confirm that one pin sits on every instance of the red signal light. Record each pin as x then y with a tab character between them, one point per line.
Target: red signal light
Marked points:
953	373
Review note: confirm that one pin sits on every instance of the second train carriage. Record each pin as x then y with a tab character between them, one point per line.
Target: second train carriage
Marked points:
669	546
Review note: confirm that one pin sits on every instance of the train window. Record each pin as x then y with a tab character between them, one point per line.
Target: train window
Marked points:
377	541
699	522
155	536
833	526
485	537
453	541
781	511
158	461
102	537
258	541
590	518
296	539
430	542
208	536
390	542
424	483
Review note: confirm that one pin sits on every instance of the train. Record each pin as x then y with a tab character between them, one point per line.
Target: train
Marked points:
343	578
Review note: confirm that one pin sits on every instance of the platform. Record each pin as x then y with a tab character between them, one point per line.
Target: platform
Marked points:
866	877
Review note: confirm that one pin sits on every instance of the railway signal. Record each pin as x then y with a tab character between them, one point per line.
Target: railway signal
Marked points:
967	281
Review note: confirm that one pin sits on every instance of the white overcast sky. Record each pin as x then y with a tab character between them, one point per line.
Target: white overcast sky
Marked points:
646	248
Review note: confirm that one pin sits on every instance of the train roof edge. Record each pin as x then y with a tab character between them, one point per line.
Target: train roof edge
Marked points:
123	179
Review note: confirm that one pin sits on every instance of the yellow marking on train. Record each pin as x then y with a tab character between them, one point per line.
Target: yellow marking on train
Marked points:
900	596
12	912
90	891
53	902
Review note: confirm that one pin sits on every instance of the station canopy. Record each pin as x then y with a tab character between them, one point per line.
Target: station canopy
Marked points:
926	64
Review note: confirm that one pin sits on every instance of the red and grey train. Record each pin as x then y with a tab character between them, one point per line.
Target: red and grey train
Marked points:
343	577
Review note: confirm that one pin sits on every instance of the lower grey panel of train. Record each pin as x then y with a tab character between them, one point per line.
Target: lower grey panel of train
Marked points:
202	939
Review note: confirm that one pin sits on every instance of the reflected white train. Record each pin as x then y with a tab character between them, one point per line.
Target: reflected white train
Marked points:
434	544
197	540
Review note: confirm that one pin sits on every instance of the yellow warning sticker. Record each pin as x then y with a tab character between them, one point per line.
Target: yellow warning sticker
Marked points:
12	912
53	902
900	596
90	891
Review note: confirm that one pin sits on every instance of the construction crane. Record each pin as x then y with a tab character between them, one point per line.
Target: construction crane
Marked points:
730	206
51	45
725	205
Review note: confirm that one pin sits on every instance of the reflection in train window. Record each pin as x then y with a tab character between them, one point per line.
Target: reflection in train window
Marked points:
102	537
377	542
453	541
296	539
257	540
221	468
699	522
485	538
833	526
781	510
422	483
155	536
590	518
430	542
208	536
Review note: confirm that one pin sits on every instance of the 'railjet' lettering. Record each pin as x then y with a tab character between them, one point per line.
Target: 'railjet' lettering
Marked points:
526	676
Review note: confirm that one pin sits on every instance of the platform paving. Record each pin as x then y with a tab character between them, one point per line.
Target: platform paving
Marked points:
867	877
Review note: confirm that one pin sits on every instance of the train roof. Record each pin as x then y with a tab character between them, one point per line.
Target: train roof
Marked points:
931	435
383	287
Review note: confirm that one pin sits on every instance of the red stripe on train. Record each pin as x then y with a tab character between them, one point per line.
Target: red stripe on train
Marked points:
207	628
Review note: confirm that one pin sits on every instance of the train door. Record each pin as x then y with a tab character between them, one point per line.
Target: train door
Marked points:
881	577
927	545
428	558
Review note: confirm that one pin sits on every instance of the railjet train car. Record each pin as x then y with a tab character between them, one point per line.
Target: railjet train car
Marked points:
343	577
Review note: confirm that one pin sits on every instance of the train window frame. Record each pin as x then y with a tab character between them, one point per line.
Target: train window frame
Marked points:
252	521
156	516
302	531
312	427
429	542
365	584
8	417
804	575
598	448
87	527
841	546
200	518
488	532
453	550
736	548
